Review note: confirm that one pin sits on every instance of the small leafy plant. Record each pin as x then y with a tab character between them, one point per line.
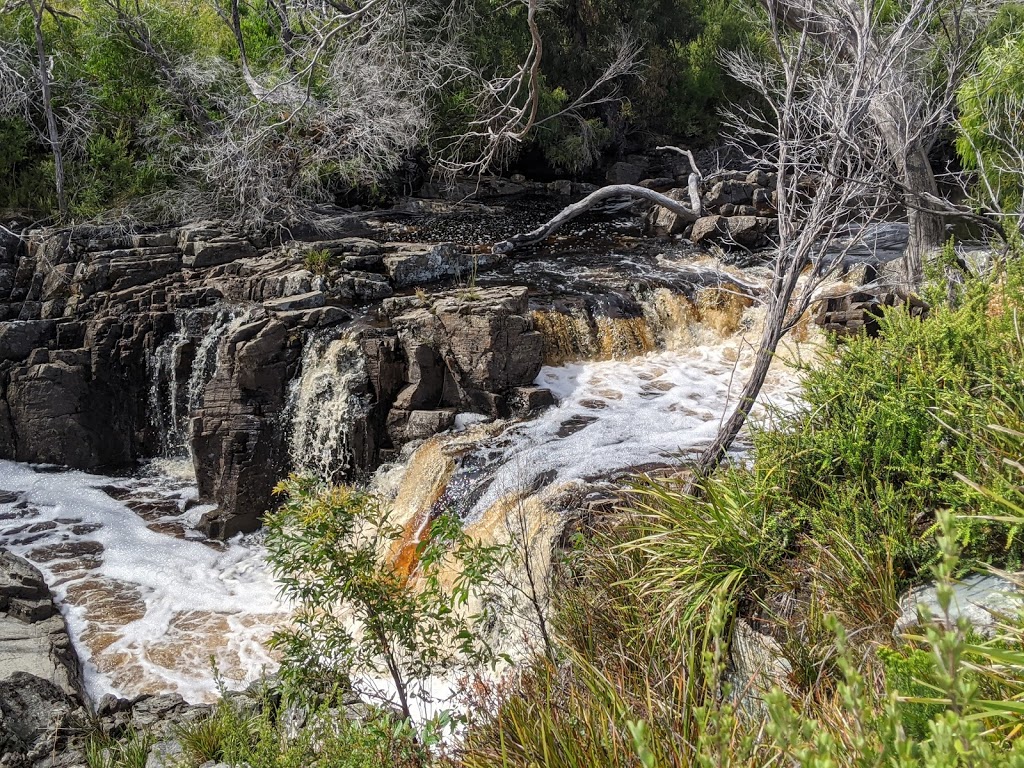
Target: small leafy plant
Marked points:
318	262
371	602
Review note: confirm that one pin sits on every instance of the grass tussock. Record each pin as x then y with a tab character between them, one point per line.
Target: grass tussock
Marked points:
904	465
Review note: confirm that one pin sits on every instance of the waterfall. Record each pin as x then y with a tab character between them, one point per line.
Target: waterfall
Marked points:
327	398
179	370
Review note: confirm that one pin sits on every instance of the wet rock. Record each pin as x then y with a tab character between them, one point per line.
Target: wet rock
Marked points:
37	720
19	579
238	448
33	636
409	426
526	401
62	415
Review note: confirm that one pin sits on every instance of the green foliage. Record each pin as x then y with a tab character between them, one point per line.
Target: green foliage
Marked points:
367	606
812	544
991	138
129	751
318	262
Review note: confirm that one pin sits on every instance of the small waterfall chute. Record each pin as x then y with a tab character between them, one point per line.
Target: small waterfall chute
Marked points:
181	367
328	399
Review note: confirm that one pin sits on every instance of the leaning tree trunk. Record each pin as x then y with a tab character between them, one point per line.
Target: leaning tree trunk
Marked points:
53	135
927	229
775	328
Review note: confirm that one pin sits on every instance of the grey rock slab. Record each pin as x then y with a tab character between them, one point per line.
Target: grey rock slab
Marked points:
979	598
165	754
19	337
311	300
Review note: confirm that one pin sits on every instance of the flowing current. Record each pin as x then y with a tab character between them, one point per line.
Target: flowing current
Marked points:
152	605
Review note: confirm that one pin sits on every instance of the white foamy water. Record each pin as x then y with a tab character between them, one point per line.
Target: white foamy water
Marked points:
149	602
622	414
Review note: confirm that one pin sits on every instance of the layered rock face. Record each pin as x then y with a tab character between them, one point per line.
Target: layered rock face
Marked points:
739	210
115	348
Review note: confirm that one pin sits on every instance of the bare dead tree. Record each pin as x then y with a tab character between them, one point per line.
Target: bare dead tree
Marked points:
35	88
833	166
924	49
507	108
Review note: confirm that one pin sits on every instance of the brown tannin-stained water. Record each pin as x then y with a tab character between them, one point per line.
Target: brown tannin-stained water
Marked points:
150	603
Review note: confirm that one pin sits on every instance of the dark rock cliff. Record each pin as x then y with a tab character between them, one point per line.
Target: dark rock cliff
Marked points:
115	348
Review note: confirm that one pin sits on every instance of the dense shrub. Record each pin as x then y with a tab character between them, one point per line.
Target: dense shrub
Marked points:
846	505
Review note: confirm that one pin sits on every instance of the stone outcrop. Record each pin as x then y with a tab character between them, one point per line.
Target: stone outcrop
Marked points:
738	208
980	599
119	347
465	352
41	700
846	309
33	637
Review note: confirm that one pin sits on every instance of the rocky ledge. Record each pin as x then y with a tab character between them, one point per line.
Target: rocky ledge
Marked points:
115	348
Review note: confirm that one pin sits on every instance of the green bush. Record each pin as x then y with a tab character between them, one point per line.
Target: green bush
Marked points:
369	603
812	545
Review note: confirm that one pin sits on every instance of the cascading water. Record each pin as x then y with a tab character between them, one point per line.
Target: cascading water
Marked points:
326	400
636	410
180	368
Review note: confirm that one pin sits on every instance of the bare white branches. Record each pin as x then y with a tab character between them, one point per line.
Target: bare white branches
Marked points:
507	108
832	164
15	87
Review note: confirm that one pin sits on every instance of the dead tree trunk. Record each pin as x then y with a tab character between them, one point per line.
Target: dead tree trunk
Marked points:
52	132
927	228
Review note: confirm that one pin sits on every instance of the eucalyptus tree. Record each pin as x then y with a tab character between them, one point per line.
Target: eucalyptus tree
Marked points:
28	89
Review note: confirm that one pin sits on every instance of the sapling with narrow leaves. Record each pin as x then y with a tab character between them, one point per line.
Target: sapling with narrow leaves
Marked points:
361	615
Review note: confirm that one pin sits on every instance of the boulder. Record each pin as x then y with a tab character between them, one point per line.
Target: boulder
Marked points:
660	184
981	599
728	192
664	221
757	664
745	230
19	338
624	173
706	228
37	720
33	636
414	265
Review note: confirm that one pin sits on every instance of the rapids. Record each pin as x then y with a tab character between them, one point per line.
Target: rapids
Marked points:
643	362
